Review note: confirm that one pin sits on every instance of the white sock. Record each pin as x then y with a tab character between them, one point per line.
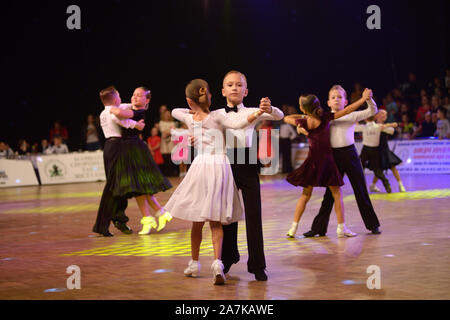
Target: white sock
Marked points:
341	226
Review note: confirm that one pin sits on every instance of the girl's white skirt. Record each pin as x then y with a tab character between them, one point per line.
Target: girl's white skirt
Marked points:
208	192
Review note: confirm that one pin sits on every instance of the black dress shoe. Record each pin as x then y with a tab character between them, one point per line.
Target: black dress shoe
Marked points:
122	226
107	234
260	275
375	230
312	233
227	266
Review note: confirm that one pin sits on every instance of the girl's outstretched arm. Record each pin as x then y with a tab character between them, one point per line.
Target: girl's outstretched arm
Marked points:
367	94
292	117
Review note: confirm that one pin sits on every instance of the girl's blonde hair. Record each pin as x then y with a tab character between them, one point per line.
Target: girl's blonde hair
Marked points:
338	87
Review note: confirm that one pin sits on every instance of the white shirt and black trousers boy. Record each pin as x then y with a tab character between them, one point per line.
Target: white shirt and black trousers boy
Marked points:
111	208
247	180
342	140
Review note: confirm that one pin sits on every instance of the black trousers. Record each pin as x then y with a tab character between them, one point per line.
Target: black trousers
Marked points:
285	151
247	179
348	162
168	168
111	208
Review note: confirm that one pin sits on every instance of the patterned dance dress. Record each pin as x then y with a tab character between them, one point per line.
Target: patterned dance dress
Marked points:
136	173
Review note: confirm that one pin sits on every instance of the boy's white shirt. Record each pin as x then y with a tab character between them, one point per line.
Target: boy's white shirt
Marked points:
111	124
235	120
244	137
371	133
342	130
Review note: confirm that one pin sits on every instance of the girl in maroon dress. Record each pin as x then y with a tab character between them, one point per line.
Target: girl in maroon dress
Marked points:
319	168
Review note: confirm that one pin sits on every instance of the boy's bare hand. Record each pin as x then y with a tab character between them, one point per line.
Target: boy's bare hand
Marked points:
140	125
265	105
367	94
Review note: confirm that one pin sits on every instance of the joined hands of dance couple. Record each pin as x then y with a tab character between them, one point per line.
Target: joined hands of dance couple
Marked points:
215	189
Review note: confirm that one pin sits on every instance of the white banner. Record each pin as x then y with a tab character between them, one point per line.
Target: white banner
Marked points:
418	156
16	173
71	167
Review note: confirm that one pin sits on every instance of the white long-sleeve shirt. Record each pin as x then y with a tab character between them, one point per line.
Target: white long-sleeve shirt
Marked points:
371	133
287	131
342	130
111	124
210	131
244	137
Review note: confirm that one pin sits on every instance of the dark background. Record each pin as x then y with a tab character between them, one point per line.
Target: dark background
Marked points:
285	48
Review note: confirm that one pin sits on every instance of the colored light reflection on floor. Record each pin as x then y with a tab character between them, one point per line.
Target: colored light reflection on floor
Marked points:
402	196
178	244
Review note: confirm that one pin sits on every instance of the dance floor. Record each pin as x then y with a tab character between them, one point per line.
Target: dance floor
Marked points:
44	230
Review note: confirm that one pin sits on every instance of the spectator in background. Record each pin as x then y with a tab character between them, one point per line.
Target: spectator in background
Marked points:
90	134
165	126
405	128
426	128
35	147
410	90
398	96
446	105
439	92
23	148
58	131
443	125
436	84
357	92
391	108
6	151
404	108
45	147
59	147
435	103
434	118
423	93
423	109
154	144
162	109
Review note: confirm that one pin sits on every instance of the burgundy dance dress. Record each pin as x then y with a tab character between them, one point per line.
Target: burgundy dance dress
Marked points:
319	168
